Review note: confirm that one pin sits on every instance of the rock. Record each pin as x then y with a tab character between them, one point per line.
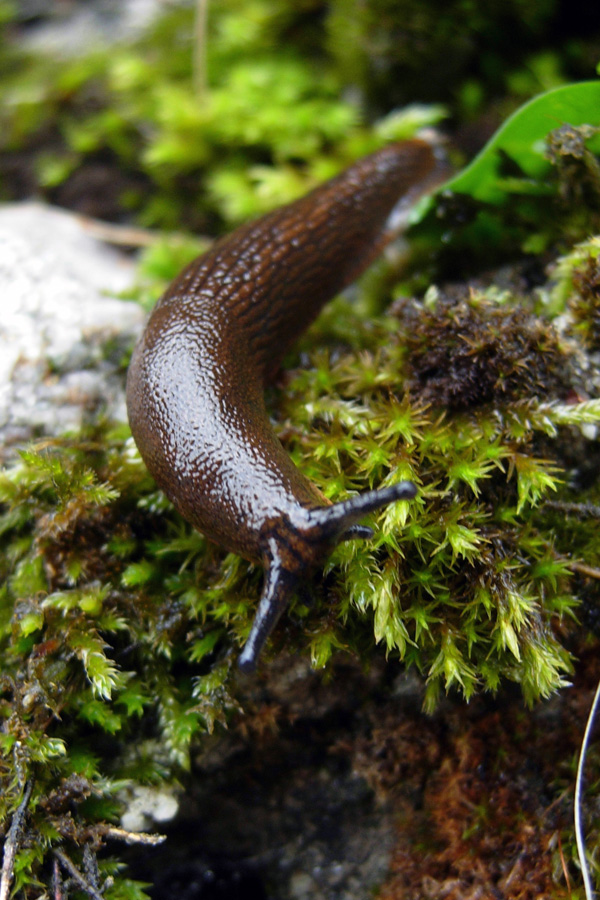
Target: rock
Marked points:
277	802
69	29
63	331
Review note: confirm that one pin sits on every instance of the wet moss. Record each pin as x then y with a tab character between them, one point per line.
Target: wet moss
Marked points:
465	350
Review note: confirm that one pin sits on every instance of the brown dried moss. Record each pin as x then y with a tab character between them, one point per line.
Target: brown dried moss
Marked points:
495	814
466	350
584	302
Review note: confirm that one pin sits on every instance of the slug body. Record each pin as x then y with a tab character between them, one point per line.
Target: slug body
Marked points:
196	380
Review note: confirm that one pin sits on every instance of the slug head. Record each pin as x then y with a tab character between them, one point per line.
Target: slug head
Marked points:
291	549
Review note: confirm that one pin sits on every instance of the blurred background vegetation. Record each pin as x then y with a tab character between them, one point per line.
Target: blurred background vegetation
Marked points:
186	130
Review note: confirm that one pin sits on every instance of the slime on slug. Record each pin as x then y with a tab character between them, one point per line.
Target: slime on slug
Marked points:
195	387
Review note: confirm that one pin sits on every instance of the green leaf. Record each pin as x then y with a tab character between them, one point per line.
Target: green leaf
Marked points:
134	700
42	748
322	646
205	645
584	413
138	573
522	138
388	624
127	889
98	713
470	471
464	541
535	479
451	665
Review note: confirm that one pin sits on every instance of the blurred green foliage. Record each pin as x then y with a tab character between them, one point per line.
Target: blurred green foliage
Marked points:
290	89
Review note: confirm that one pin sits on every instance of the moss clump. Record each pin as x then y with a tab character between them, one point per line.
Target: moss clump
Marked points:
468	583
466	351
585	302
577	167
577	286
87	651
489	805
119	625
118	621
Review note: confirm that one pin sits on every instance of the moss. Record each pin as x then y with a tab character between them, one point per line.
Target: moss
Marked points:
118	620
465	583
87	646
466	351
585	302
126	134
488	809
577	167
576	285
397	42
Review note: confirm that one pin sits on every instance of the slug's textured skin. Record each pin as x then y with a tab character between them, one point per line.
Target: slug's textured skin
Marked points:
196	379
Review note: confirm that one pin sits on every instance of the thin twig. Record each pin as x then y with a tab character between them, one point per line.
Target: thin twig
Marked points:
134	837
583	569
12	842
56	880
579	837
118	235
581	510
130	236
76	875
565	869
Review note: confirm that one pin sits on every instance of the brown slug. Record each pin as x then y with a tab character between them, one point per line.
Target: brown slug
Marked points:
196	380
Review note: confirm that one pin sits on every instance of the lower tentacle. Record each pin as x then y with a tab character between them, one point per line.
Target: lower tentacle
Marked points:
286	559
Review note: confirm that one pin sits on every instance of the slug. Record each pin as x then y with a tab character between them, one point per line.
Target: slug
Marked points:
196	380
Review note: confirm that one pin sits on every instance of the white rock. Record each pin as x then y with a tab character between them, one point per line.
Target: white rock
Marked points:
71	30
58	310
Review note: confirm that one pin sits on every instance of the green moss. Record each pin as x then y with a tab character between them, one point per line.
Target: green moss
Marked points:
178	160
117	618
577	287
466	582
108	594
87	641
277	114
